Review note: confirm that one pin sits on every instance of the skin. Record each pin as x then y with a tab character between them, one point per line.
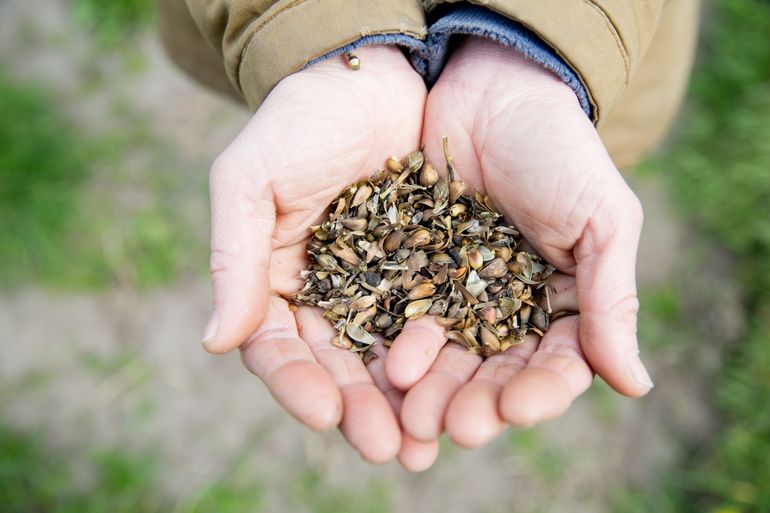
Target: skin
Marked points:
516	132
319	130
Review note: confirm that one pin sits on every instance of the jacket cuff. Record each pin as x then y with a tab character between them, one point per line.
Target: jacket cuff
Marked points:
590	42
316	28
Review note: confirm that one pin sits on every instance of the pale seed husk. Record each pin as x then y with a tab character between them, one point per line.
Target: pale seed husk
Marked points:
417	309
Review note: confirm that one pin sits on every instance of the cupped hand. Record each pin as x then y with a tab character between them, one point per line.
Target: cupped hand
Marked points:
318	131
518	133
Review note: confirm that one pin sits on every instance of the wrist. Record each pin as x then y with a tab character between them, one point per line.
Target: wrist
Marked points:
496	71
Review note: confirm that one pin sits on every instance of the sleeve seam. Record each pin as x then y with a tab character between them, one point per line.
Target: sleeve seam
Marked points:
615	35
257	27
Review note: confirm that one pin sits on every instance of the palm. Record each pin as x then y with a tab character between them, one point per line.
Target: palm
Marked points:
545	168
318	131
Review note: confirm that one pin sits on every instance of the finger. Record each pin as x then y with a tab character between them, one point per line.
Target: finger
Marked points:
556	374
560	294
368	421
414	351
276	355
437	126
422	413
414	455
606	289
473	417
241	231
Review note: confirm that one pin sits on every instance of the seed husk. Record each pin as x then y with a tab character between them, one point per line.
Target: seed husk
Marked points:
428	176
411	241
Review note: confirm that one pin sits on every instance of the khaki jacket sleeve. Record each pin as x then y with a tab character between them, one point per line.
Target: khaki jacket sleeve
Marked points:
263	41
604	41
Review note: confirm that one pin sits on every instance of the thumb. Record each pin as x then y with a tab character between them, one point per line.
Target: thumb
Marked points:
606	286
242	222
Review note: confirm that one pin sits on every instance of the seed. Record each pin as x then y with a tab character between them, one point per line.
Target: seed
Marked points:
363	302
441	258
475	259
355	223
419	238
393	241
383	321
421	291
394	165
417	309
358	334
362	194
409	242
456	189
428	176
372	278
489	339
415	160
494	269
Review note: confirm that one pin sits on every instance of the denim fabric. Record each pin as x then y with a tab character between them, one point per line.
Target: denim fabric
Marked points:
429	57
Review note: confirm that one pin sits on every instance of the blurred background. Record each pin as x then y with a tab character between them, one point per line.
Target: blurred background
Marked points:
107	403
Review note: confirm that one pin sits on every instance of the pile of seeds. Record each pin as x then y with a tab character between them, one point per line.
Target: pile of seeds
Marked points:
409	242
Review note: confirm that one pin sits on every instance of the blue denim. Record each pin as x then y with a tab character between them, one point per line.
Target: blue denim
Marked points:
429	57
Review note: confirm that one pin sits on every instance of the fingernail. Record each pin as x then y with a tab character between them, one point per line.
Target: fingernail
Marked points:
638	372
211	328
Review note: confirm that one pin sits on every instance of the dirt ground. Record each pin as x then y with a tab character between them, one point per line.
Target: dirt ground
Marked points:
125	367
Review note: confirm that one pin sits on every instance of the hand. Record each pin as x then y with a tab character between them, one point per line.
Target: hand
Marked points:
518	133
319	130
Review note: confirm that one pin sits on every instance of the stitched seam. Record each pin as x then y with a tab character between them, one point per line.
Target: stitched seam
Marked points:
615	35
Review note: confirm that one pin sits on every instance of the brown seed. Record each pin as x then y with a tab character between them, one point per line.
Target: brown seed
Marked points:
362	194
504	253
538	319
393	241
394	165
494	269
418	238
355	223
345	252
441	258
422	291
460	338
423	244
456	189
488	314
457	209
363	302
428	176
475	259
489	339
363	316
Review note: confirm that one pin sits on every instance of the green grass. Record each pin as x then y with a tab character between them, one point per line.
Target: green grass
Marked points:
719	172
81	211
112	21
35	478
43	168
312	492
